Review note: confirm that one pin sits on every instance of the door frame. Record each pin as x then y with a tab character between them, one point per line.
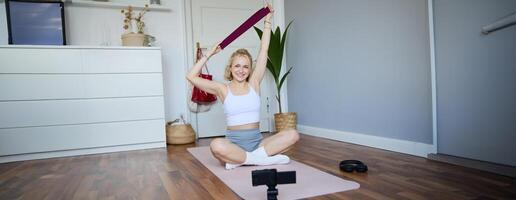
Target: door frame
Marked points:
279	20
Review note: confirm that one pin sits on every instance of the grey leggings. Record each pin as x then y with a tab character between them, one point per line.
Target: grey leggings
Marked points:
249	139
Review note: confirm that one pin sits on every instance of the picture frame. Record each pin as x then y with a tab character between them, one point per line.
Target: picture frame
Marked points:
32	22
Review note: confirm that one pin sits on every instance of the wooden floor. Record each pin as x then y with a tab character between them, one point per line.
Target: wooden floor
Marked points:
173	173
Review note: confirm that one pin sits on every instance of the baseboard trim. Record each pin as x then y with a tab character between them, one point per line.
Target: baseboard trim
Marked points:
77	152
505	170
401	146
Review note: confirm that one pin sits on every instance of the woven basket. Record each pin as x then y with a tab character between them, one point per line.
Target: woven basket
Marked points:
285	121
180	133
133	39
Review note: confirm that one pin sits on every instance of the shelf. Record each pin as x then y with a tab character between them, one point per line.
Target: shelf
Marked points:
109	4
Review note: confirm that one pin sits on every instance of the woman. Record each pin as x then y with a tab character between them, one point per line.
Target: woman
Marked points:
243	144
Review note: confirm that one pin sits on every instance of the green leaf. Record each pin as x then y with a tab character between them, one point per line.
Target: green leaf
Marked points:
277	39
283	78
284	38
270	67
275	53
258	31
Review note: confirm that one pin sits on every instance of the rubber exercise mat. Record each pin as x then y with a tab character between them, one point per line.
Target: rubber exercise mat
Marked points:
310	181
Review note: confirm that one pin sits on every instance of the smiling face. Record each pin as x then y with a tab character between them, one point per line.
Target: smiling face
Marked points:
240	66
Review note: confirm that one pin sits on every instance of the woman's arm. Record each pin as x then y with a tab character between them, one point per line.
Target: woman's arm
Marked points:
261	61
208	86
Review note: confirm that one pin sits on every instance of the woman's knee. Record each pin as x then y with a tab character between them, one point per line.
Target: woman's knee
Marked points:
218	146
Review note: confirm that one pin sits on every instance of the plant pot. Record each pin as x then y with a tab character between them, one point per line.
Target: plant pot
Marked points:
180	133
133	39
285	121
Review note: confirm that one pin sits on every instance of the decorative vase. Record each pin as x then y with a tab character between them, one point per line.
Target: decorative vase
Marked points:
133	39
157	2
285	121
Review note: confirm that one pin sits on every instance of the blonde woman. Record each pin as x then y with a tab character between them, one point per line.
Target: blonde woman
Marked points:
243	144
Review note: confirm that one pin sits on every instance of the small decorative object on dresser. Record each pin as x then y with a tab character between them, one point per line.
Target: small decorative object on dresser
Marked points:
157	2
130	37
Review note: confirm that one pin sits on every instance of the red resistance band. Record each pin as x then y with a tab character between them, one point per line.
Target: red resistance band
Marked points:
257	16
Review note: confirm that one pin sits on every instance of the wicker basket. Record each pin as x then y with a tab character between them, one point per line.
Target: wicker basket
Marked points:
285	121
180	133
133	39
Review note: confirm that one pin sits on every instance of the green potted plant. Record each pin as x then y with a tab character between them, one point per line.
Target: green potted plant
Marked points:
274	64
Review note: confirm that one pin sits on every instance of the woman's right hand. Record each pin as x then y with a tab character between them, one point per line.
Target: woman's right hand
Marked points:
214	50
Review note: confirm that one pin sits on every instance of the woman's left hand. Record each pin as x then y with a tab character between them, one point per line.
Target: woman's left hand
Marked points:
269	16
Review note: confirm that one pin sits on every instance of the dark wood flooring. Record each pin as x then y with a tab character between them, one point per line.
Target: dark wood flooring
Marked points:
173	173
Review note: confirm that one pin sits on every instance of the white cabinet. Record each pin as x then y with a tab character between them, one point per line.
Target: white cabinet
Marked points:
61	101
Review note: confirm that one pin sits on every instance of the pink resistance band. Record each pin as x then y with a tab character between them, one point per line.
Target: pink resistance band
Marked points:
245	26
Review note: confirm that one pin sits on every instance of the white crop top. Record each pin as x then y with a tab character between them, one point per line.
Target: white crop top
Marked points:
242	109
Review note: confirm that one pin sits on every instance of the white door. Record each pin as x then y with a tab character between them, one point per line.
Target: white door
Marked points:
212	21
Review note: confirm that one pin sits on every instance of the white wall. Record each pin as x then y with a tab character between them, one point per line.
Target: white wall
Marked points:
101	26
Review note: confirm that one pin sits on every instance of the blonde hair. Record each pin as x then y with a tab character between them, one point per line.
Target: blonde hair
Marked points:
239	52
